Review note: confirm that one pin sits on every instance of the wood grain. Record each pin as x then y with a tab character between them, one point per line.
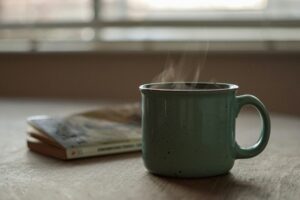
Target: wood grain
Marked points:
274	174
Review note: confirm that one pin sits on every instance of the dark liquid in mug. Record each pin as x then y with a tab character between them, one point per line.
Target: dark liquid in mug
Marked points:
189	86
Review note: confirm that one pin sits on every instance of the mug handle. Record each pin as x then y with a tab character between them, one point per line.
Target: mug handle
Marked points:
265	131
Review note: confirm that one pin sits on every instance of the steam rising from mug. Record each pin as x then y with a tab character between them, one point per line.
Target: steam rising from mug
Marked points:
183	70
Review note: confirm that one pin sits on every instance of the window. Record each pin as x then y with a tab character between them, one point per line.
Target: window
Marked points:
152	25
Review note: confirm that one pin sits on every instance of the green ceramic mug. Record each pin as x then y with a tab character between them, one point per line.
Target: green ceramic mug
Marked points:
189	128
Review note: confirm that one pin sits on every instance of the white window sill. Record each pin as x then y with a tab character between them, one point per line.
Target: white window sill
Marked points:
153	39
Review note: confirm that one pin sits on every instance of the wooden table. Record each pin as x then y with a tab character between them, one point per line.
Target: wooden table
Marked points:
274	174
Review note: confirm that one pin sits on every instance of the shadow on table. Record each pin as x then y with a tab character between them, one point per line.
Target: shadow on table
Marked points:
224	187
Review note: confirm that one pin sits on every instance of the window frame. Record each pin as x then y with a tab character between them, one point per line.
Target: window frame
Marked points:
98	44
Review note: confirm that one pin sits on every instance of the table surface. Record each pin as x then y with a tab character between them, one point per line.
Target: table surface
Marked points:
274	174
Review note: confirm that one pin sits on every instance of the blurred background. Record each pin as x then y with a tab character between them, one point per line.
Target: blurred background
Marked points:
104	49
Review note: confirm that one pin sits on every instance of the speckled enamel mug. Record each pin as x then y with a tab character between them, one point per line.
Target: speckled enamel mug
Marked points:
189	128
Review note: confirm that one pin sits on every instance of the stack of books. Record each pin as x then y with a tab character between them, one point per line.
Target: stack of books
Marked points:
109	130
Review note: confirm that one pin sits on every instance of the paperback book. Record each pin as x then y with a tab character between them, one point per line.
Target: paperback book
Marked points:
109	130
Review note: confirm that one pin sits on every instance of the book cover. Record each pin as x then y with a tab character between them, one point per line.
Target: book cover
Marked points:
100	132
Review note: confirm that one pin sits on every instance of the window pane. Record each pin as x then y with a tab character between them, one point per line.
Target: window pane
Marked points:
176	9
45	34
199	9
200	34
197	4
44	10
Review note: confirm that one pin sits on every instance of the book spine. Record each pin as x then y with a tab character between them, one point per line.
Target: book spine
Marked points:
98	150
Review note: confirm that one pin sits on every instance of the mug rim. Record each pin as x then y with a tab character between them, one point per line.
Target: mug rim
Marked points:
228	87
